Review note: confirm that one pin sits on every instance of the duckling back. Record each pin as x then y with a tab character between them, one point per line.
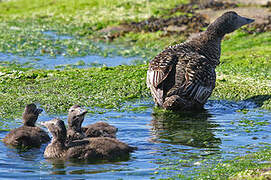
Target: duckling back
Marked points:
100	129
26	136
101	148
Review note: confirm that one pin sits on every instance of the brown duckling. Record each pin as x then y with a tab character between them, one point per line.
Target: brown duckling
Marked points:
182	77
28	135
92	149
76	117
75	131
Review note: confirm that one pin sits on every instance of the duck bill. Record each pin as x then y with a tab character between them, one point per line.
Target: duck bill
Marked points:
44	123
39	111
47	123
244	21
82	112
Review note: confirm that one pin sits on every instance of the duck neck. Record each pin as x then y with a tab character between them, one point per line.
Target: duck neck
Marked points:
56	149
209	45
75	128
60	143
29	123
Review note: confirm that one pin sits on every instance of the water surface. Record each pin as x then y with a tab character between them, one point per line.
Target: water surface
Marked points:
167	144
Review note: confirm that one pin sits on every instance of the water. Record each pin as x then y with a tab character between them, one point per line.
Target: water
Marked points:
61	61
225	130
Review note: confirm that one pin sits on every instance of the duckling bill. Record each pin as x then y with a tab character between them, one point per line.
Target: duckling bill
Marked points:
28	135
93	149
182	77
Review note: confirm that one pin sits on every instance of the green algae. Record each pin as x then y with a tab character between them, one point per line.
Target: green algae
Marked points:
57	90
251	166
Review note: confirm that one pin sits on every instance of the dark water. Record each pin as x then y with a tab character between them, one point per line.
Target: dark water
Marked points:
167	143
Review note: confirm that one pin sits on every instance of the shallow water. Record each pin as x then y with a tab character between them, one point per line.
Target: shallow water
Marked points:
60	61
167	144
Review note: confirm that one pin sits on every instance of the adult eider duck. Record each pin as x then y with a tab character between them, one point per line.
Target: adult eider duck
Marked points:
92	149
28	135
76	117
182	77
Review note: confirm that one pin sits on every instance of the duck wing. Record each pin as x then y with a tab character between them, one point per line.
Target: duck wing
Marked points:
159	70
200	77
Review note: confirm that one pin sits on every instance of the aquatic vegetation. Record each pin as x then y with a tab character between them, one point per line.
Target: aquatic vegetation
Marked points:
57	90
253	166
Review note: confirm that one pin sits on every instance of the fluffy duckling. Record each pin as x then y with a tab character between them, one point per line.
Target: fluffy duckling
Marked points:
75	131
76	117
28	135
182	77
92	149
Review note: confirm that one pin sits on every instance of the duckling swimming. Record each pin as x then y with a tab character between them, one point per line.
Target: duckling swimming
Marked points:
28	135
75	131
76	117
100	148
182	77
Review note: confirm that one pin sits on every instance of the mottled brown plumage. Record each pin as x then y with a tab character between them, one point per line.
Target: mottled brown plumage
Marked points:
28	135
182	77
92	149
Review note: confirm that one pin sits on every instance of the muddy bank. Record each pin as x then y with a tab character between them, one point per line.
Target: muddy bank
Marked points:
196	15
184	24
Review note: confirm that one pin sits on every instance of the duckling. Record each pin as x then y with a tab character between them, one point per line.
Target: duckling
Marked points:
76	117
75	131
28	135
182	77
92	149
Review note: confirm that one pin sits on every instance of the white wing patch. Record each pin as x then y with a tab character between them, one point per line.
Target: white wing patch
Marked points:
152	83
202	94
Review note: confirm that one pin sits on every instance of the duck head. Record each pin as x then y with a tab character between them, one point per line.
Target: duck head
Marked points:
227	23
76	117
57	128
31	114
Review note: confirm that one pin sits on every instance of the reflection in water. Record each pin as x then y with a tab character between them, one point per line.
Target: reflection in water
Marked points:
58	166
188	129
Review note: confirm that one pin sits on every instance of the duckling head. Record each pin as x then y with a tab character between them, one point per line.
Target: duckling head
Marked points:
76	117
57	128
227	23
31	114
